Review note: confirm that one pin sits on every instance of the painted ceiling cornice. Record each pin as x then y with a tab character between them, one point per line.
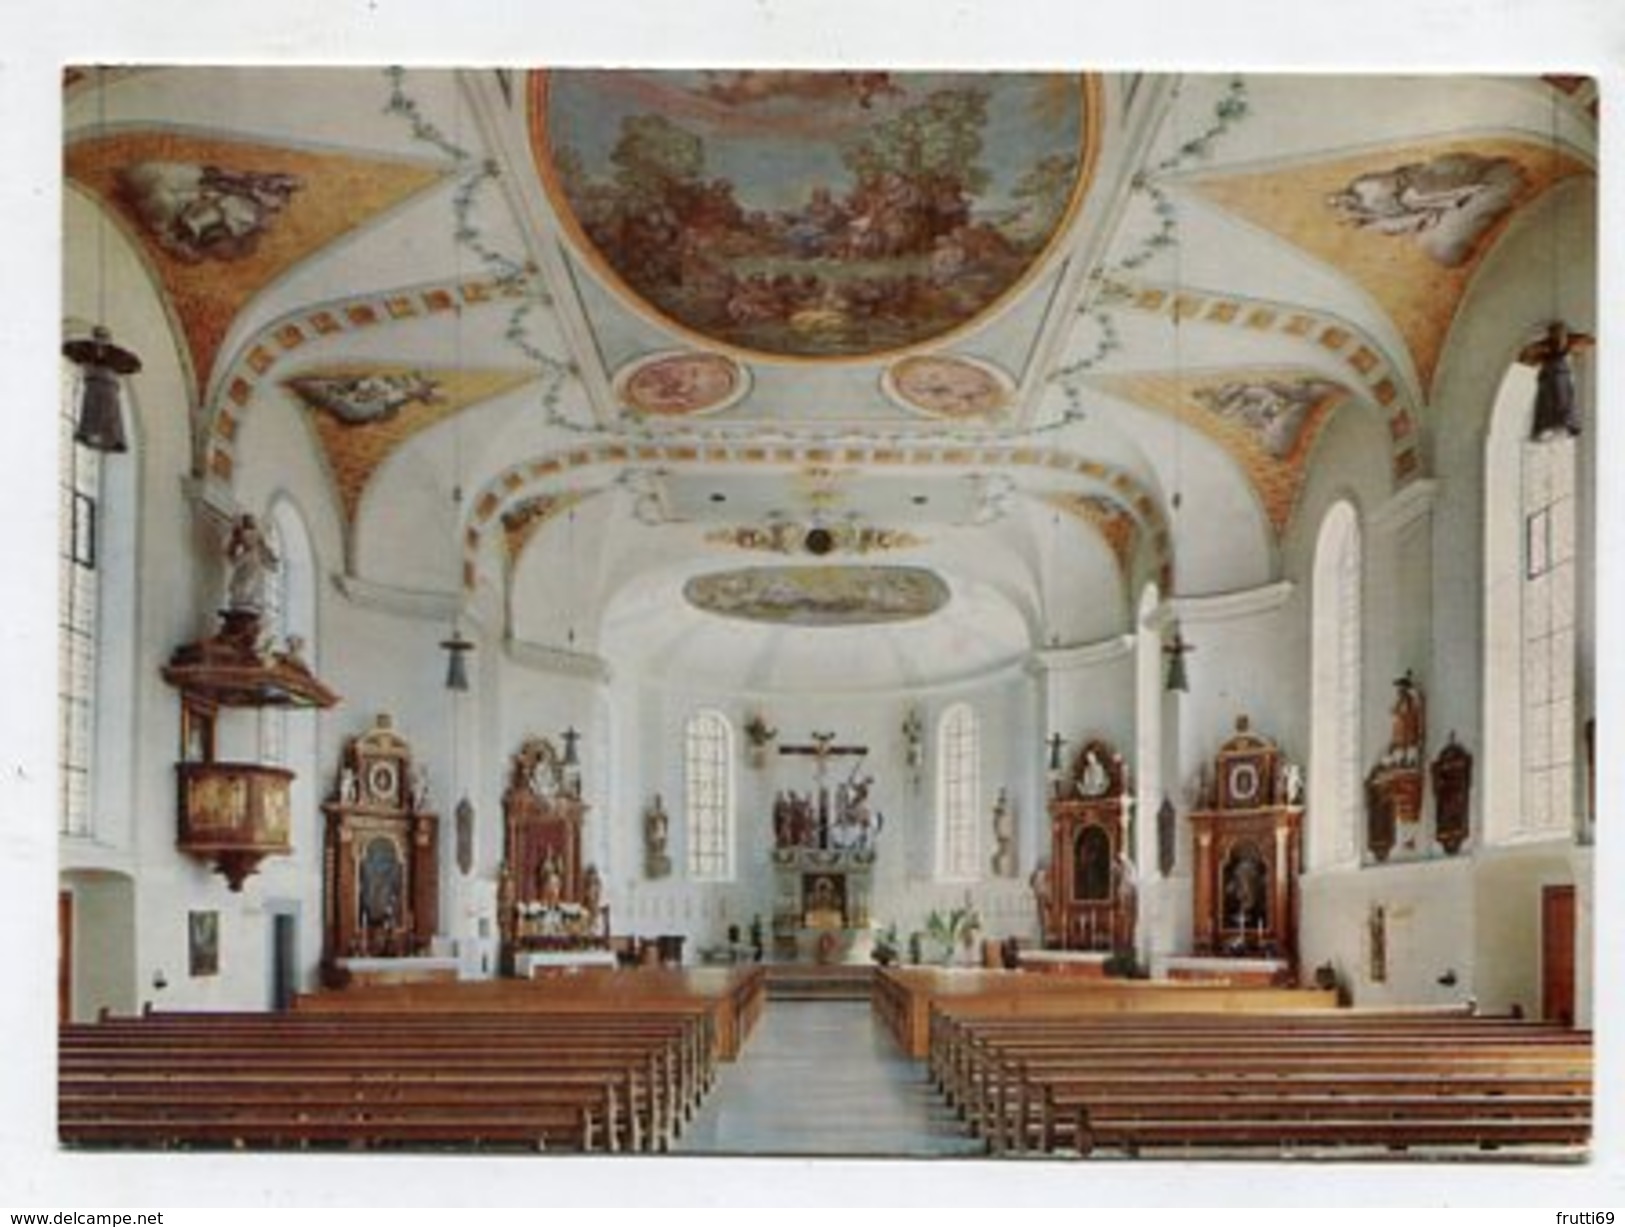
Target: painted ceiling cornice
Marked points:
540	478
1386	383
264	356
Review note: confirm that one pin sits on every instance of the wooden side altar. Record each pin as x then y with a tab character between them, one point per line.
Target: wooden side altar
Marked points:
1248	836
380	867
548	901
1088	901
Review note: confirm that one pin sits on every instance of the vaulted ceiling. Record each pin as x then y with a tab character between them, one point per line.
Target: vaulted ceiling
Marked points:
786	379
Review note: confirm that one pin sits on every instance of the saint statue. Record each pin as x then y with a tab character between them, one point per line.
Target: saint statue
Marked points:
592	895
1094	781
1405	749
249	556
1557	410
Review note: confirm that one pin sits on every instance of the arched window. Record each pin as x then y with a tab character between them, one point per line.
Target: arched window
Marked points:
1531	593
1334	746
709	795
1549	589
79	578
959	789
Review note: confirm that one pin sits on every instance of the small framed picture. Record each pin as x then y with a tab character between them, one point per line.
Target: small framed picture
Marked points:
203	943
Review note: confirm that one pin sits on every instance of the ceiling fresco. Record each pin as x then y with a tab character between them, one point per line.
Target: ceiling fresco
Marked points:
677	385
220	219
955	389
1266	419
1410	224
818	322
363	414
820	596
522	521
1115	524
814	215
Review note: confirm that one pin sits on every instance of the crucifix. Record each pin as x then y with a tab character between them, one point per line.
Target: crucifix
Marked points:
821	749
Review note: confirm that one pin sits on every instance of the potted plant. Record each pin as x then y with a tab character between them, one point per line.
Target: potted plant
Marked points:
955	930
885	950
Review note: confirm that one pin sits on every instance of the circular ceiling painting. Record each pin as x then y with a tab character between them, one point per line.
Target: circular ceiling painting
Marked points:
814	215
819	596
680	384
945	387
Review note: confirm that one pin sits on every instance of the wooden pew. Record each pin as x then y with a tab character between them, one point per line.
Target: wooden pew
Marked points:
574	1080
1332	1081
903	998
733	996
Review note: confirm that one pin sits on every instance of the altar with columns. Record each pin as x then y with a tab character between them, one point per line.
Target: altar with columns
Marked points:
823	858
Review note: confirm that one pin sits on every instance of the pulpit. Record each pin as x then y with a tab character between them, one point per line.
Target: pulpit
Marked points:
1090	903
548	901
380	869
235	814
1248	835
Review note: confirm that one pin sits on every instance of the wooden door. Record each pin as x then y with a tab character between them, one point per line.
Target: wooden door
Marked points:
284	960
64	956
1557	954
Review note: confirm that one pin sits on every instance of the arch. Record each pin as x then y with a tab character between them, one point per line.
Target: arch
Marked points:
959	792
708	795
1336	710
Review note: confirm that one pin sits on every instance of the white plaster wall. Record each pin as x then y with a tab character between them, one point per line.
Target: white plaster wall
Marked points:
905	888
1507	904
103	942
1429	909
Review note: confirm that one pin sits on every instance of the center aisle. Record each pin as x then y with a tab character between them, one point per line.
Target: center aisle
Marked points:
823	1078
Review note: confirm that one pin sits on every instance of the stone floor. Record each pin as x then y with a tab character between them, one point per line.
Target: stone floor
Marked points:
823	1078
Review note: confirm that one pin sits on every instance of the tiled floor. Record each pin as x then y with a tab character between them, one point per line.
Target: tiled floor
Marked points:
823	1078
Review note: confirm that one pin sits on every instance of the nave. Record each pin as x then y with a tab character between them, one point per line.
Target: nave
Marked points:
824	1078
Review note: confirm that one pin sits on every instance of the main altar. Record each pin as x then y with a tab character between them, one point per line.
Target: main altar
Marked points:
824	844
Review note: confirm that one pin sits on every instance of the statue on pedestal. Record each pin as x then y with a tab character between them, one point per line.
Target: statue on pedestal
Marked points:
656	862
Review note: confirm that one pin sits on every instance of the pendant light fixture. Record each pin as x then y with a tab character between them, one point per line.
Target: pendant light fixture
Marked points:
99	421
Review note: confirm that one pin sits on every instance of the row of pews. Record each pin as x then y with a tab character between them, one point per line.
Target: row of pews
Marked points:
600	1061
904	998
1340	1083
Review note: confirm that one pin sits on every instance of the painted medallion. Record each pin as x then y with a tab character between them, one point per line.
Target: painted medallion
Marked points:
819	596
676	385
815	214
956	389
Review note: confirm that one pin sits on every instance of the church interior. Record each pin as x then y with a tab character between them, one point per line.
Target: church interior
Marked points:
758	542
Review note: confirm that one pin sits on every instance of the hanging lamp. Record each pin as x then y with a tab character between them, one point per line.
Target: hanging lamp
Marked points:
99	419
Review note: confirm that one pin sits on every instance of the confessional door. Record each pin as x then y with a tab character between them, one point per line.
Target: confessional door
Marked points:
1557	954
64	956
284	959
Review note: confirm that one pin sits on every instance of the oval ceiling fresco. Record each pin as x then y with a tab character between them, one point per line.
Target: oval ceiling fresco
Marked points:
812	215
819	596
